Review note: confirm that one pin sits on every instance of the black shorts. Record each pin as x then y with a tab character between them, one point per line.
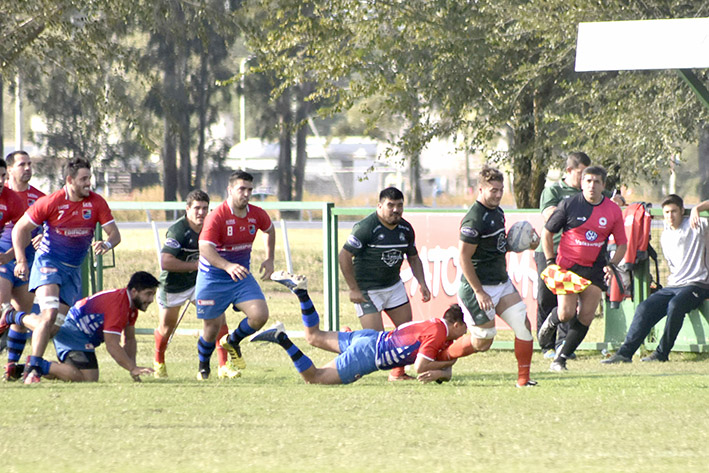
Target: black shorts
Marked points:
81	360
593	273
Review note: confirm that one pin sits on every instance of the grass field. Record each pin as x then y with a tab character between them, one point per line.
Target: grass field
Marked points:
595	418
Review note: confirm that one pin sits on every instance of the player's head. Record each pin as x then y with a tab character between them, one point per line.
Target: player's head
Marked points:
576	162
456	324
19	166
673	210
593	180
77	174
197	207
241	185
491	186
390	206
142	288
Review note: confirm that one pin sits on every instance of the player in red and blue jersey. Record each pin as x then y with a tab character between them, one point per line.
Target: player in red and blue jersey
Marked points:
19	173
587	220
69	217
101	318
422	344
224	277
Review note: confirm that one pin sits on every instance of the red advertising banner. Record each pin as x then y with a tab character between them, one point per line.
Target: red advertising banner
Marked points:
437	243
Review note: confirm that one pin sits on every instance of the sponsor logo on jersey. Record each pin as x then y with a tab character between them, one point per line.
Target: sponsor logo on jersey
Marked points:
251	220
380	236
75	232
89	346
354	242
63	207
391	257
602	221
252	229
86	213
2	214
402	237
502	243
230	221
205	301
30	202
3	206
86	204
469	232
172	243
582	219
591	235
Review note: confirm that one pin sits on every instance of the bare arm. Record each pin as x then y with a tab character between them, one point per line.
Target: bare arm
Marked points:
694	213
21	236
122	355
347	268
429	370
112	240
417	270
548	244
267	265
173	264
546	213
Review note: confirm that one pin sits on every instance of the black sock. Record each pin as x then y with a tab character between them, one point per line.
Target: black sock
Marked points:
577	332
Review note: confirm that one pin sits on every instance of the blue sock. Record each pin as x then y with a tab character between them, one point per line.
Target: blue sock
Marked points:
241	332
14	317
204	351
44	366
300	361
307	309
39	364
16	342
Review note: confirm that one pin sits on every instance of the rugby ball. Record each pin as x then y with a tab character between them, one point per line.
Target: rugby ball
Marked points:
521	236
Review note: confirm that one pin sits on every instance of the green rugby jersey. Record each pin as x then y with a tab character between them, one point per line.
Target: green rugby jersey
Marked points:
379	252
486	228
183	243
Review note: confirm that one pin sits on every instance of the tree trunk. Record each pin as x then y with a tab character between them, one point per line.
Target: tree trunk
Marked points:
703	158
301	135
285	167
184	175
204	92
2	116
415	180
529	152
169	152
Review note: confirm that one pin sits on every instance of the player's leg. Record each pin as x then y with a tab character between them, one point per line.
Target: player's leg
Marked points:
16	335
48	300
227	368
77	366
686	299
316	337
514	312
248	298
481	325
588	301
546	301
167	321
207	343
398	308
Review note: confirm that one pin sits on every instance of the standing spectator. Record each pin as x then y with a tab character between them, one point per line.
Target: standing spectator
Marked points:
224	277
371	260
587	220
69	216
684	244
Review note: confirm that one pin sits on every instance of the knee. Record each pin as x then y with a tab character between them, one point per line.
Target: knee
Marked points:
516	318
482	344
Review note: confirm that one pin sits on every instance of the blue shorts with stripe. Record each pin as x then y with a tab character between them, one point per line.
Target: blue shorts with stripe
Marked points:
47	270
213	296
357	354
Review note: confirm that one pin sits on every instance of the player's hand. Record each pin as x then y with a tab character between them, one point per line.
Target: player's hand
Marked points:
428	376
36	241
22	271
484	301
266	269
694	218
137	371
236	271
425	293
101	247
356	296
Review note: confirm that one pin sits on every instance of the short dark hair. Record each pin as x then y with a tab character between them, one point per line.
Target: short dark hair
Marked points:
599	171
10	158
3	164
240	175
453	314
197	195
673	199
142	280
391	193
71	167
489	174
577	158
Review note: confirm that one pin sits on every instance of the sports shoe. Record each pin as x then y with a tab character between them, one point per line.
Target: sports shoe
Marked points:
291	281
159	370
547	334
529	384
616	358
202	375
558	365
32	377
234	352
549	353
654	356
270	335
6	309
13	372
228	371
